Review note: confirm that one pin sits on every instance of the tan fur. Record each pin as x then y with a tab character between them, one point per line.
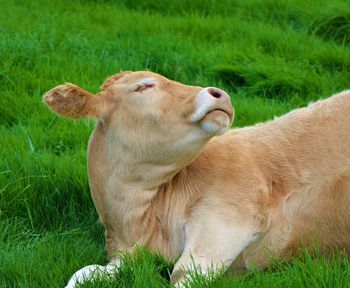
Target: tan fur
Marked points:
72	101
218	202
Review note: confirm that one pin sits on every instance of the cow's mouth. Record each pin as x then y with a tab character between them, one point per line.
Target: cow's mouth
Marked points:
219	111
216	121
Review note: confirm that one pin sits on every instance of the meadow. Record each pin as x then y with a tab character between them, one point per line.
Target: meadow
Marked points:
271	56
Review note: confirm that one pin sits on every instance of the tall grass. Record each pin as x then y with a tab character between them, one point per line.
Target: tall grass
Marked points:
270	55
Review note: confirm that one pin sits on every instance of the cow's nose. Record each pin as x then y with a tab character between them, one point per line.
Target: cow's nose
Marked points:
216	93
210	99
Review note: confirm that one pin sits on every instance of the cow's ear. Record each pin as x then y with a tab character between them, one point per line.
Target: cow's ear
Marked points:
72	101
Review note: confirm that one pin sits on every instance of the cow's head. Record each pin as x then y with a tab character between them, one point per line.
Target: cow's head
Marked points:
150	116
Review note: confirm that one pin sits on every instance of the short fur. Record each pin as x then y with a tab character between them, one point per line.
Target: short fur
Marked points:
228	201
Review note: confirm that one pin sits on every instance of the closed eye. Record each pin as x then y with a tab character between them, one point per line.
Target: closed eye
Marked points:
144	86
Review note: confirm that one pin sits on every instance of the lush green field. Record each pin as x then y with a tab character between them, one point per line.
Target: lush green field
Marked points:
270	55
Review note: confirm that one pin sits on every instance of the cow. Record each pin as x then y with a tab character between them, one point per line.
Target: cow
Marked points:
167	173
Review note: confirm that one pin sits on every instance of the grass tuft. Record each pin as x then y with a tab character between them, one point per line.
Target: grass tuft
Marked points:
335	28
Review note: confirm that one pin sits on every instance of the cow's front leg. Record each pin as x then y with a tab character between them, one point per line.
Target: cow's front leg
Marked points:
212	244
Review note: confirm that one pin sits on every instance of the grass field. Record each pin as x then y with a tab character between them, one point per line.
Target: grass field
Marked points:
270	55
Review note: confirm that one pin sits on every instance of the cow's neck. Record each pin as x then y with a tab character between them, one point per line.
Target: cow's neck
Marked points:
129	192
133	188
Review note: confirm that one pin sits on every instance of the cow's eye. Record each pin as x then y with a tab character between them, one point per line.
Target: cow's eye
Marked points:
144	86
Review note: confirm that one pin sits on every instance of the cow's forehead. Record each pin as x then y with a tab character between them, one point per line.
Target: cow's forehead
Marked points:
130	77
136	76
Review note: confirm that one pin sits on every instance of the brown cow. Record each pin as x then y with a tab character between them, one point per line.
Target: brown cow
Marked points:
159	178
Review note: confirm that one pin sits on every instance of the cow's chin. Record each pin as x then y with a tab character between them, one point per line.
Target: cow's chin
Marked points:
216	122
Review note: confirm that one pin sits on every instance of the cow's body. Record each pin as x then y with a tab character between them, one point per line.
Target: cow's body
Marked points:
293	173
243	197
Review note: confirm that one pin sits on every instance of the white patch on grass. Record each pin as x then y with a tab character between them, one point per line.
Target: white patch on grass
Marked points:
92	272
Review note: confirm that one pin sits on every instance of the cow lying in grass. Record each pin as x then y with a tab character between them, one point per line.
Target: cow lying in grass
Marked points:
159	178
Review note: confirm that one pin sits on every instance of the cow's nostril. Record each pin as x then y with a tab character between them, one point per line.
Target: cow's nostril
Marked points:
215	93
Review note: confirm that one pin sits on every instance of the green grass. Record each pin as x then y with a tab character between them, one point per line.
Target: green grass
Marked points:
270	55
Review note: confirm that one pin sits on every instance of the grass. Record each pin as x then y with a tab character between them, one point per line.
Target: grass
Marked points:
271	56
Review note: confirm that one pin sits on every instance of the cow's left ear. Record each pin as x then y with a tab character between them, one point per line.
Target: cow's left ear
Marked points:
72	101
